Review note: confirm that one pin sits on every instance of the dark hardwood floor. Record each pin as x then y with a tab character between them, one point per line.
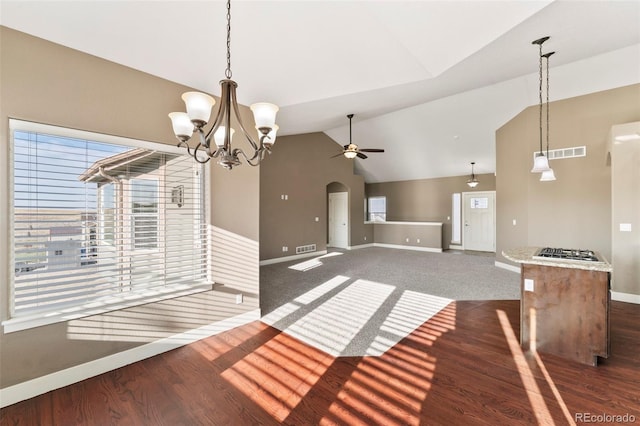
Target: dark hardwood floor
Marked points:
462	367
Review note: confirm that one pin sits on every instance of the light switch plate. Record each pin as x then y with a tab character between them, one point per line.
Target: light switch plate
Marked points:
528	284
625	227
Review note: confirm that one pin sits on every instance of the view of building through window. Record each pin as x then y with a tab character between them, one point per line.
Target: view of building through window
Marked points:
93	219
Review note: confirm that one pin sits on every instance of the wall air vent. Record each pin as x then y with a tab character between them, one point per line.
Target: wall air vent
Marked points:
306	249
557	154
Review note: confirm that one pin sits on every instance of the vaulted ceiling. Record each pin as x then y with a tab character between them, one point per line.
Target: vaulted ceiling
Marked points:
428	81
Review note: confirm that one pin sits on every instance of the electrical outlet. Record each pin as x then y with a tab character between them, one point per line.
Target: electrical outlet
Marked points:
418	240
528	285
317	219
365	238
514	222
239	298
407	240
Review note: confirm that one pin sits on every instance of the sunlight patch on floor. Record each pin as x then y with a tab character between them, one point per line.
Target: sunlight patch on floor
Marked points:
539	407
409	312
313	263
333	325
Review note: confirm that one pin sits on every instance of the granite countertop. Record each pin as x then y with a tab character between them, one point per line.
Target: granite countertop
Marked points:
525	255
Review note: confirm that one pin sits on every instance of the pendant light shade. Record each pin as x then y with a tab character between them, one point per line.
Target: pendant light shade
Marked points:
547	176
540	163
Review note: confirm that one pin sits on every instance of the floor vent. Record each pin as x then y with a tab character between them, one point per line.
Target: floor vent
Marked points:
557	154
306	249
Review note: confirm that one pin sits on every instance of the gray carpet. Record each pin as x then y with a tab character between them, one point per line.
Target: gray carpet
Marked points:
362	302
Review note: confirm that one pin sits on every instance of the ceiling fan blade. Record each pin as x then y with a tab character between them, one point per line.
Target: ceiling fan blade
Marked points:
337	155
361	155
371	150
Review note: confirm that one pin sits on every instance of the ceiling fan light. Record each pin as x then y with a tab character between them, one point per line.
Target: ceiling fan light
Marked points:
350	154
198	107
547	176
540	163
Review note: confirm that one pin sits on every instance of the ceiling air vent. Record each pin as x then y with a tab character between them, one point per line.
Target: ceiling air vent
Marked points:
557	154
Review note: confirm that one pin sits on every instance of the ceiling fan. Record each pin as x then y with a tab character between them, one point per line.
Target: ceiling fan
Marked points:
352	150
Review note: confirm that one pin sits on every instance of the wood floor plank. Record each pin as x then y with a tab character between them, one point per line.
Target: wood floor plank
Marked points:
460	367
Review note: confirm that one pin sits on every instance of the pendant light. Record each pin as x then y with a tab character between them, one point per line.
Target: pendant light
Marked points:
216	142
540	162
547	175
472	182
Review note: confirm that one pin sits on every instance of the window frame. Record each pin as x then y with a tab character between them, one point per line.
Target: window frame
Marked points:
39	318
369	211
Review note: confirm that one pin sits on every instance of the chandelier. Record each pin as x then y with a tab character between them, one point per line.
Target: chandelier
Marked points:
217	141
541	161
473	181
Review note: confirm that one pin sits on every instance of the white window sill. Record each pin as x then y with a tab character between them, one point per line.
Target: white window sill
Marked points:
113	303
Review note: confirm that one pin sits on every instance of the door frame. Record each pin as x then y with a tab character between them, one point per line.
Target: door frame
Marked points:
345	195
463	218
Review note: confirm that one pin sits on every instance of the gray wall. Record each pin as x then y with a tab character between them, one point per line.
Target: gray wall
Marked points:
575	210
44	82
426	200
302	167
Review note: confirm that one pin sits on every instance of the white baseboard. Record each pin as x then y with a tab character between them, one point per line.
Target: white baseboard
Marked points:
625	297
361	246
34	387
292	257
455	247
507	267
402	247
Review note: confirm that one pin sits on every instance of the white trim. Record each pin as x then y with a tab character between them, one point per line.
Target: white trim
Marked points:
361	246
292	257
40	385
404	223
113	303
416	248
455	247
508	267
625	297
31	126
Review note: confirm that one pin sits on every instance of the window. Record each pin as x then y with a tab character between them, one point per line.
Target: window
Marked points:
94	221
377	209
144	213
479	203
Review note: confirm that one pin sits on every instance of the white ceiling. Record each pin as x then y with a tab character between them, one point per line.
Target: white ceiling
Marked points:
428	81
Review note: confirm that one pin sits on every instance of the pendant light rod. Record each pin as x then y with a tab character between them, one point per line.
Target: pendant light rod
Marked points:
546	56
541	161
350	116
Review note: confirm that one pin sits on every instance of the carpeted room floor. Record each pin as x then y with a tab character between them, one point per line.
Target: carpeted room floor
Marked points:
362	302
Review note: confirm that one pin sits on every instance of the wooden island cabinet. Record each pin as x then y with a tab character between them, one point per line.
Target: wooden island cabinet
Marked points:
564	306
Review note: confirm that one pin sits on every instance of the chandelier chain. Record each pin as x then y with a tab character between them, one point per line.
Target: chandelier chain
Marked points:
227	72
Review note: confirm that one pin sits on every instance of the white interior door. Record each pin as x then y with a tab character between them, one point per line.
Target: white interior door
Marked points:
479	218
339	219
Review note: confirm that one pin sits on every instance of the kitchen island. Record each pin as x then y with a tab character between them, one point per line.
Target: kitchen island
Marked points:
564	305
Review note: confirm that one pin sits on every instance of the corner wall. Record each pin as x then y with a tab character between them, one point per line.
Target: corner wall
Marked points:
426	200
575	210
301	167
48	83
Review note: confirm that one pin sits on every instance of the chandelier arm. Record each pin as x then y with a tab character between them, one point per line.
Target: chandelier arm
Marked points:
236	110
185	144
249	161
221	111
195	155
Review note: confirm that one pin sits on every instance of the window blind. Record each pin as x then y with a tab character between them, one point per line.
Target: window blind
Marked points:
95	221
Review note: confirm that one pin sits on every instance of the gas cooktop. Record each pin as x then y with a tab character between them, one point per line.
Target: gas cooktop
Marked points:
549	253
